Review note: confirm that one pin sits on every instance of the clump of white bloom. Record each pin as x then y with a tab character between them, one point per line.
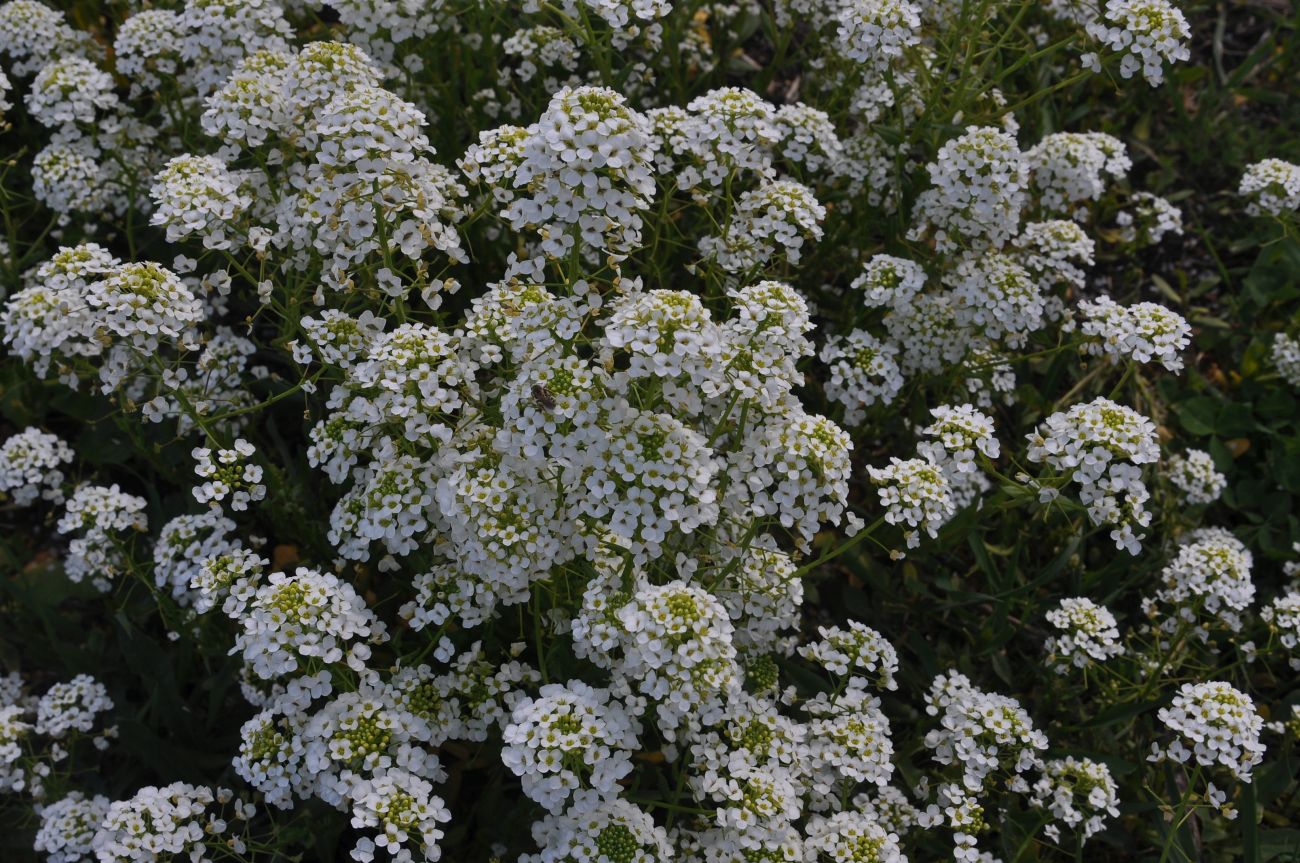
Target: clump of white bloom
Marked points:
102	516
678	652
1273	187
1148	219
877	32
72	706
1101	445
178	820
228	474
1219	723
957	436
1079	792
1088	634
858	651
146	48
1285	354
404	812
198	195
1283	618
1142	332
889	282
1193	473
31	466
863	372
852	837
1212	573
70	90
68	827
915	493
597	828
1072	168
1146	34
304	620
32	34
570	737
586	164
979	182
981	732
779	216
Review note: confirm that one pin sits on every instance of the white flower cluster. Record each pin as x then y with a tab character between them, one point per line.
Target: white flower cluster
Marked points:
38	736
1219	722
979	185
198	195
178	820
1283	617
992	741
1273	187
777	216
71	706
85	303
1211	573
101	515
570	737
916	493
228	473
859	651
68	827
1148	220
1142	332
1194	474
1079	792
1088	634
889	282
1101	446
32	34
863	372
70	90
1070	169
877	32
1146	34
31	466
299	620
1285	354
588	165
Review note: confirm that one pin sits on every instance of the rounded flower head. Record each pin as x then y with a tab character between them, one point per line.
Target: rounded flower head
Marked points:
1220	724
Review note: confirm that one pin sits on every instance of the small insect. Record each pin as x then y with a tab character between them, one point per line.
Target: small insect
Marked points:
544	397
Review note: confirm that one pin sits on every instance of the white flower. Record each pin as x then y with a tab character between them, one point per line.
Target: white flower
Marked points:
31	466
915	493
178	820
863	371
877	32
859	651
1194	474
979	184
1212	573
1273	187
72	706
570	737
1081	792
68	827
1221	725
890	282
1142	332
1088	634
70	90
1146	33
198	195
306	619
597	828
407	814
228	473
